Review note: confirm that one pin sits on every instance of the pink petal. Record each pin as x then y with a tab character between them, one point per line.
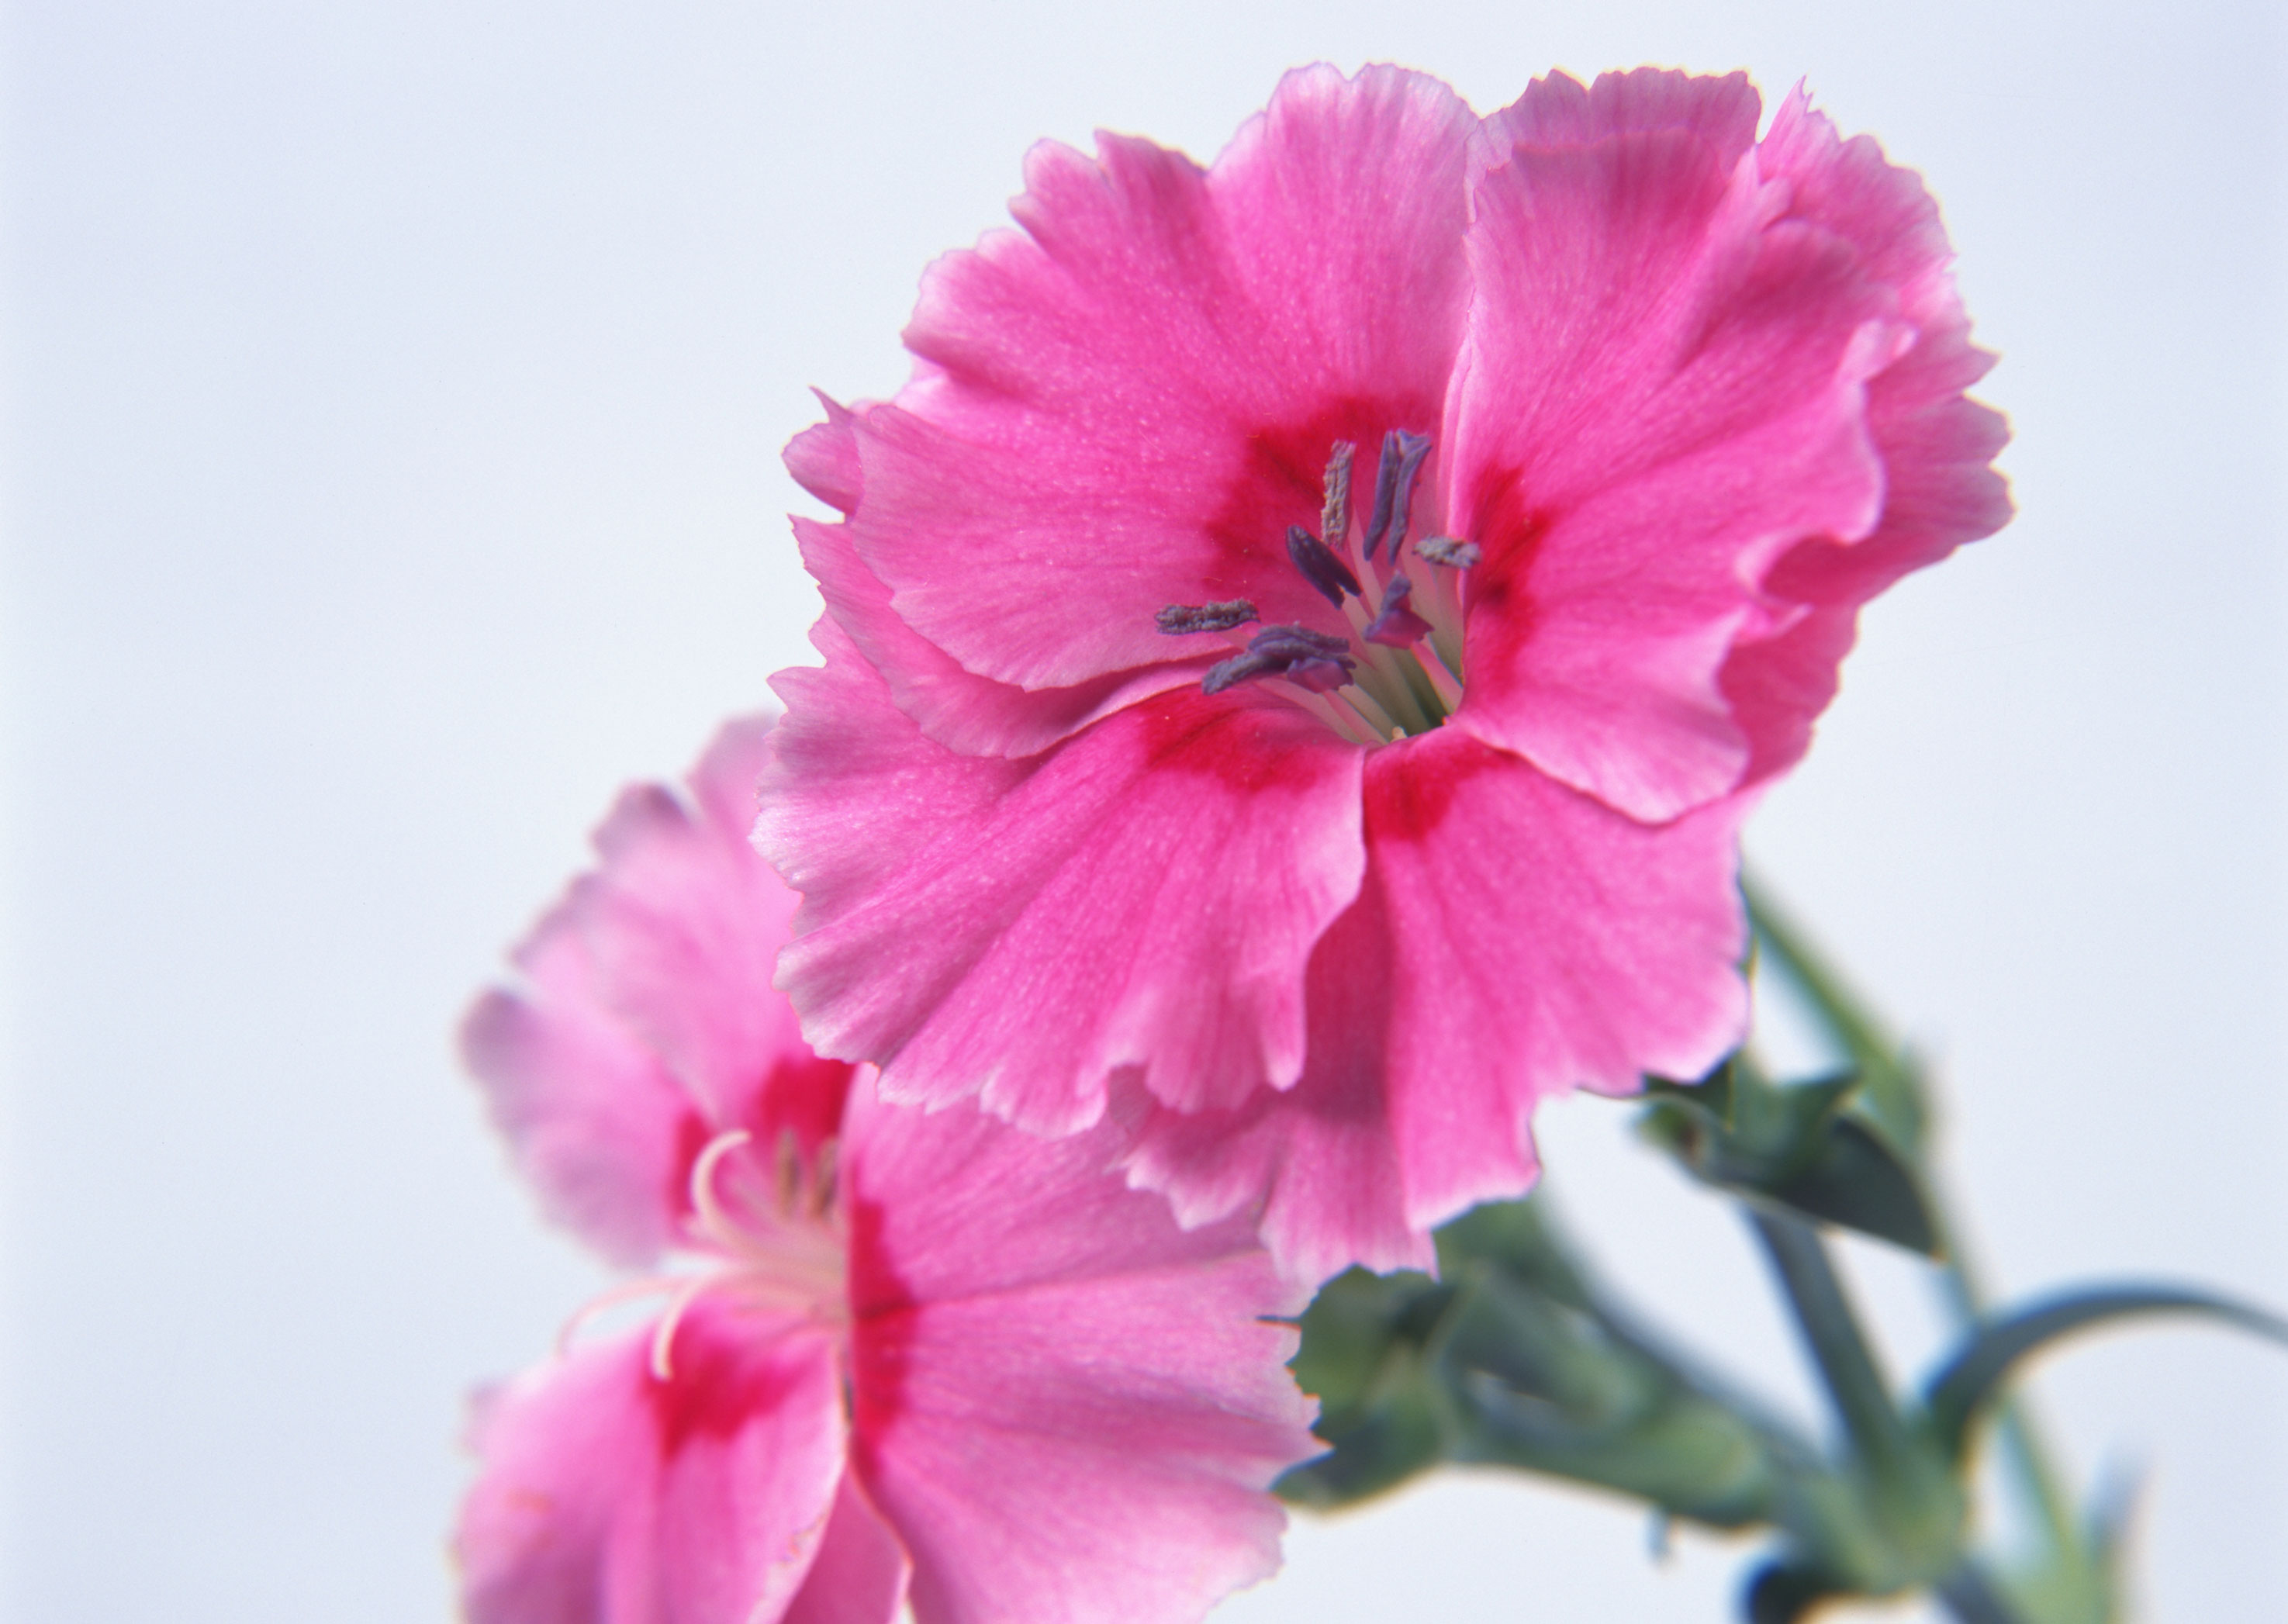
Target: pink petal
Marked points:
650	1025
1558	111
1144	895
1663	391
1936	446
1127	406
860	1572
1318	1161
1067	1406
824	459
597	1124
1514	939
1541	943
685	920
607	1497
973	715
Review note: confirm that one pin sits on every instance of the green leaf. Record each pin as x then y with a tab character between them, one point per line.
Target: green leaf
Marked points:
1380	1406
1954	1397
1375	1447
1797	1147
1854	1179
1781	1592
1510	1359
1894	1094
1974	1598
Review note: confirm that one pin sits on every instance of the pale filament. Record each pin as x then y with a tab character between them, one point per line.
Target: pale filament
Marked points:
1406	689
784	1257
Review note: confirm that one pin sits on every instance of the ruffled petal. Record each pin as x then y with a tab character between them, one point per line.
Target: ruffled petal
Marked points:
1128	404
609	1497
1514	939
684	920
1317	1162
973	714
648	1024
1937	446
1540	943
1068	1406
1143	896
824	459
1663	390
596	1123
1561	111
861	1572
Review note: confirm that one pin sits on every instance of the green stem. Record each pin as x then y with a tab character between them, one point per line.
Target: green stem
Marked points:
1891	1088
1901	1100
1832	1332
2016	1441
1972	1598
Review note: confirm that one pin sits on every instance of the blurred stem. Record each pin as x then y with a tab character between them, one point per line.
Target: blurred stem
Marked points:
2019	1445
1901	1101
1972	1598
1831	1330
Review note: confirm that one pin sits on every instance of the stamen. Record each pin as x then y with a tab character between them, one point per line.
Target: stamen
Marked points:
1320	567
1180	620
786	1167
1232	673
1397	626
1319	676
1393	490
662	1339
604	1302
1309	658
1335	512
1442	678
1297	640
1412	448
1450	550
714	1223
822	1176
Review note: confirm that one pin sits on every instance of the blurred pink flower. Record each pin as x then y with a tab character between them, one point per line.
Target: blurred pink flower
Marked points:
1300	648
921	1356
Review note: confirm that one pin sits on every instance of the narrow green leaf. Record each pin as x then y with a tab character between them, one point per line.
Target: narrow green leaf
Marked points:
1855	1180
1954	1396
1799	1147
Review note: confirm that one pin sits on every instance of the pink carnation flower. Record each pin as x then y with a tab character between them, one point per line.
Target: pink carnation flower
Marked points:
1299	650
925	1356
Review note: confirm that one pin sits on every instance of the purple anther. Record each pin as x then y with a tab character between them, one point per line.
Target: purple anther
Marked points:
1310	659
1319	676
1178	620
1450	551
1292	642
1411	449
1393	489
1239	669
1397	626
1335	509
1320	567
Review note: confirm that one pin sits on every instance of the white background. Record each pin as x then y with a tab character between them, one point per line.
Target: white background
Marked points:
394	394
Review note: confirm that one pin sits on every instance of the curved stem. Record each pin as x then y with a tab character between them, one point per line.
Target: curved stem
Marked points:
1832	1332
1898	1095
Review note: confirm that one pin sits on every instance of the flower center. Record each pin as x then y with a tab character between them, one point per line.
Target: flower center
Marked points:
1399	672
772	1237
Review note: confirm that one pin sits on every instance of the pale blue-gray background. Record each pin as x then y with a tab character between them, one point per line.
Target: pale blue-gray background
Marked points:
394	393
